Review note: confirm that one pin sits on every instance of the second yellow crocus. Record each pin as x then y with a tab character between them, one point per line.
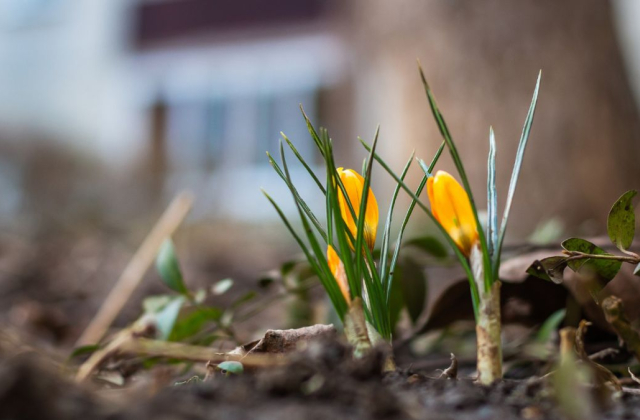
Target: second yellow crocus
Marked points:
337	269
450	205
354	184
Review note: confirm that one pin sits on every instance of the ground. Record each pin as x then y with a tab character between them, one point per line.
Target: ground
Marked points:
322	381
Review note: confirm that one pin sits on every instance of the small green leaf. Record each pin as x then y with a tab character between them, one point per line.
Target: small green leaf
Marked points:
191	324
231	367
413	282
222	287
199	296
168	267
550	269
79	351
550	325
227	319
428	244
547	232
621	223
166	318
607	269
154	304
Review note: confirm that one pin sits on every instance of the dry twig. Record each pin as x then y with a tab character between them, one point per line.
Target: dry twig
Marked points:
135	270
129	342
614	314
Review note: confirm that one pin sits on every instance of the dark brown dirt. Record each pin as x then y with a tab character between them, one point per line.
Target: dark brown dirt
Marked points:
322	382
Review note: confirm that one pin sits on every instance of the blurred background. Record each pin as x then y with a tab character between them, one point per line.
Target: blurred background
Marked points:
108	108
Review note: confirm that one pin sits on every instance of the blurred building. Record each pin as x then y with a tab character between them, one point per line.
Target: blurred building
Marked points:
195	91
191	93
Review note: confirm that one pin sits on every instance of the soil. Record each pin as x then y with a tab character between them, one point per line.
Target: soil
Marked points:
320	382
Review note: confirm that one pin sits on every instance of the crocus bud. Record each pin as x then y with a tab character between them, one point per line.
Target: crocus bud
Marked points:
451	207
354	184
337	269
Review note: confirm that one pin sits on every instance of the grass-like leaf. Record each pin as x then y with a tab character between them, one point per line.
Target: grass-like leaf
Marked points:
463	261
514	176
365	269
314	133
363	202
384	248
296	196
339	303
492	196
342	233
446	135
304	163
405	221
329	283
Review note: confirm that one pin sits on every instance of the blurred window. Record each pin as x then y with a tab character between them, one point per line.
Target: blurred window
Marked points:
280	112
206	134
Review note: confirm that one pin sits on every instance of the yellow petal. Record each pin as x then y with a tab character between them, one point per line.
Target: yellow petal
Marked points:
354	184
337	269
451	207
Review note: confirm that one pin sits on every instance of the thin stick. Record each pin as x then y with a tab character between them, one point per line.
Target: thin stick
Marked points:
188	352
128	342
135	270
101	355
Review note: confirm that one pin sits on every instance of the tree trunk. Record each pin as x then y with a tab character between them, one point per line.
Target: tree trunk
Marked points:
482	60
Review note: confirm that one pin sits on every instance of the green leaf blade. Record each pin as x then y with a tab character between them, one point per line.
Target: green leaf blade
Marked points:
607	269
169	269
550	269
526	130
384	249
490	273
550	325
621	223
492	196
463	261
166	318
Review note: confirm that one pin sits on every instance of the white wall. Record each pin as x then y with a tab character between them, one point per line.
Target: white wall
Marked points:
627	15
63	75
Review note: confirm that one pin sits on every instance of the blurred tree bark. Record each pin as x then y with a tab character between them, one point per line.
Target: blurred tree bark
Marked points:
482	59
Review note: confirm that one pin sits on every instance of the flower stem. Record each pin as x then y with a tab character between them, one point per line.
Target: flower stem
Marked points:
355	328
488	324
363	336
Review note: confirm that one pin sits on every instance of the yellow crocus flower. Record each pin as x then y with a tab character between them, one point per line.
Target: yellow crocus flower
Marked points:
337	269
354	184
451	207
